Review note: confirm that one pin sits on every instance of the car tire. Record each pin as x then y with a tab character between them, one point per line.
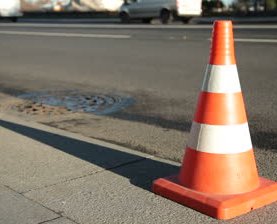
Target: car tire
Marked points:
124	17
147	20
186	20
165	16
14	19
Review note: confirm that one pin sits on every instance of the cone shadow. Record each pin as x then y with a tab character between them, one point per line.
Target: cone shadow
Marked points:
139	170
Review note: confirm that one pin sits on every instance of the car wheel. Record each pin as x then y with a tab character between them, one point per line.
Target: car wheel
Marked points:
124	17
165	16
147	20
14	19
186	20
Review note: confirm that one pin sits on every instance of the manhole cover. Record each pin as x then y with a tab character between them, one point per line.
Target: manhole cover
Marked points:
99	104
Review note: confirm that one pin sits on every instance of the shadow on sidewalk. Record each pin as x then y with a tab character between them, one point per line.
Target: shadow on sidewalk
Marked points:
139	170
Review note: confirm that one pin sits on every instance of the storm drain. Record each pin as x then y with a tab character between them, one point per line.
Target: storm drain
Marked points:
99	104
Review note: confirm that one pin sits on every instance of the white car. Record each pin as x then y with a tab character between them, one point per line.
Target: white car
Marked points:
165	10
10	9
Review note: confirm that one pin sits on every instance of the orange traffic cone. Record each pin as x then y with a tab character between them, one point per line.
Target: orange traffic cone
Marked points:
218	176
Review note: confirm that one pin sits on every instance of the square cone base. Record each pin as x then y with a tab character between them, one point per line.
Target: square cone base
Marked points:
214	205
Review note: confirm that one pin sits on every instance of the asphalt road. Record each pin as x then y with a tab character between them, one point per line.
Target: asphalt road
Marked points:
160	68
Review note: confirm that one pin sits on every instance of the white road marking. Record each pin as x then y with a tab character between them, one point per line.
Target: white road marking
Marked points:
112	36
253	40
256	40
52	34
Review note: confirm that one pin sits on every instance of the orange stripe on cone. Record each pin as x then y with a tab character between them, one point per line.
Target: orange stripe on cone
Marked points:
219	173
218	176
220	109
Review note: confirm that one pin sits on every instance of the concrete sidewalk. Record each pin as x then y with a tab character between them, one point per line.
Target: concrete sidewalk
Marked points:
53	176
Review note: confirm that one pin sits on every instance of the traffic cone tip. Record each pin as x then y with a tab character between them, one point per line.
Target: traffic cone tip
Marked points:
222	49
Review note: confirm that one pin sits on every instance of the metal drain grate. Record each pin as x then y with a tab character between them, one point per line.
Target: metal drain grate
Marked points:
100	104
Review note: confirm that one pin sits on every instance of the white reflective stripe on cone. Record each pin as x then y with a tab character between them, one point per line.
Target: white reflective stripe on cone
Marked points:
220	139
221	79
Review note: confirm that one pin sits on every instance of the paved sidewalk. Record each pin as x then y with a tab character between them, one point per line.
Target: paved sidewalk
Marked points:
55	177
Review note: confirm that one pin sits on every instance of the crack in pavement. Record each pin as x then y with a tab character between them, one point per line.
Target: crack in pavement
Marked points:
84	176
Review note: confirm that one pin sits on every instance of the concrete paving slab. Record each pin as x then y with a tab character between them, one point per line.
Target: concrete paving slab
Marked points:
36	158
123	195
15	209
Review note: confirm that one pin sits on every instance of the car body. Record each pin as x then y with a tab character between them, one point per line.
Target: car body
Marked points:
165	10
